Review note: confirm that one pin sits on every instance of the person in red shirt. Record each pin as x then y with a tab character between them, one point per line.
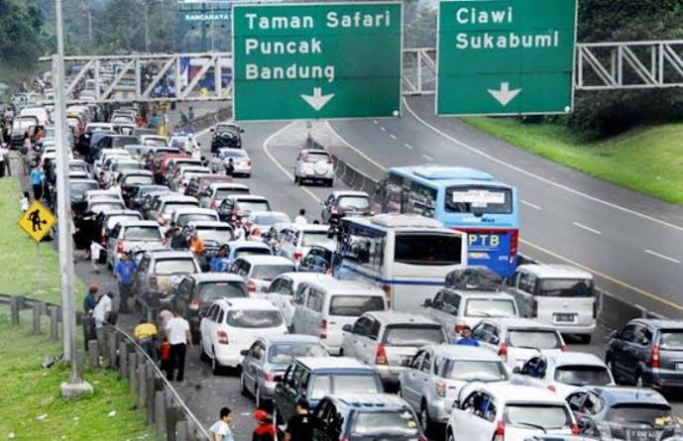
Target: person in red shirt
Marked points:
265	429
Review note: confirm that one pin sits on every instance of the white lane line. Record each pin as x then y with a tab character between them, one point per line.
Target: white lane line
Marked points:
662	256
592	230
382	128
408	146
540	178
375	121
392	136
529	204
427	157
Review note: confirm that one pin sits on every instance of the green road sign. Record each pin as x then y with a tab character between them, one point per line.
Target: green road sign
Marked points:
505	57
308	61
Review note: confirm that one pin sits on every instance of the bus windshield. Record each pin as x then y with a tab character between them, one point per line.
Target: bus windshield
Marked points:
428	249
478	199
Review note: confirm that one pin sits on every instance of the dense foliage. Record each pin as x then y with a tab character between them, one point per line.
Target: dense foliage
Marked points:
20	26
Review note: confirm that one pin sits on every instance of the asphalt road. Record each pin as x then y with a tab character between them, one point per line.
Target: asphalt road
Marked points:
632	243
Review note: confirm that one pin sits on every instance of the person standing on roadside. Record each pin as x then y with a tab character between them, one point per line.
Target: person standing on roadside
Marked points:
300	426
124	271
301	218
145	335
89	304
220	431
37	179
178	331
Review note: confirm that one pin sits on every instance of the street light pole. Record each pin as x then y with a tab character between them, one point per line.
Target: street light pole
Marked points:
75	386
146	27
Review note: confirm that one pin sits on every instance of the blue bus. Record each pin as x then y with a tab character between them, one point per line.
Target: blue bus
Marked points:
464	199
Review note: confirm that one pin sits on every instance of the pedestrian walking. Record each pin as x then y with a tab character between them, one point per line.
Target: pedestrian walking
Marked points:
124	271
89	304
95	250
301	218
146	336
178	331
300	426
37	178
230	167
220	430
265	430
101	314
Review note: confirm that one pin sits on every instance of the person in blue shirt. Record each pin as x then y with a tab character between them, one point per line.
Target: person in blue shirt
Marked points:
219	262
89	304
37	179
466	337
124	271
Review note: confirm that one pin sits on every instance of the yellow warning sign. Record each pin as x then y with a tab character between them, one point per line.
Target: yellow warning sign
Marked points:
37	221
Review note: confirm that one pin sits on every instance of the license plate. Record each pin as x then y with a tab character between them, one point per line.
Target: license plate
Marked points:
564	318
641	435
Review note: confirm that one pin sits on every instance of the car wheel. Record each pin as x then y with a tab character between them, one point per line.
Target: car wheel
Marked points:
243	386
425	420
215	366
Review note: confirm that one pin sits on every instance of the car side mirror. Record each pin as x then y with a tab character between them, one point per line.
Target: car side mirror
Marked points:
427	303
347	328
456	404
516	370
244	352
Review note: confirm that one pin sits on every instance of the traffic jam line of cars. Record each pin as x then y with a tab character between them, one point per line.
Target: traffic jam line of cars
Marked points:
296	316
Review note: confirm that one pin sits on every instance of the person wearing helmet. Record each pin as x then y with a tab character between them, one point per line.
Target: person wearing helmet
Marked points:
265	429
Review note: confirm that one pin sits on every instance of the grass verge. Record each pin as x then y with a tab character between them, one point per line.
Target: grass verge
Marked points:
648	160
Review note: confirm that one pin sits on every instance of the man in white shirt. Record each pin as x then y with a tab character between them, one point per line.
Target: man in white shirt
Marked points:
301	218
102	308
178	332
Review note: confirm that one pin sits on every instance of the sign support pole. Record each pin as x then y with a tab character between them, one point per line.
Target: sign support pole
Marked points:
39	268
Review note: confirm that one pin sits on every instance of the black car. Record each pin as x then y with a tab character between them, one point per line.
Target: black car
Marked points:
110	141
136	201
226	135
623	413
345	203
647	352
317	260
195	294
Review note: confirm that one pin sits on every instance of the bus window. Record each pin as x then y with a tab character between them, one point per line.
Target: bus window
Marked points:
420	200
423	249
478	199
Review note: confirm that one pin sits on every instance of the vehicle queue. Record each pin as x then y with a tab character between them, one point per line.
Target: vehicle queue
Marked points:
379	321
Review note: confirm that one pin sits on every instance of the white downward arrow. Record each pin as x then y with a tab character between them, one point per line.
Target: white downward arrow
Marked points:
317	100
504	95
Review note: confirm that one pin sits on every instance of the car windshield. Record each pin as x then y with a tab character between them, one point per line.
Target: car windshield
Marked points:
428	249
170	207
478	199
142	233
184	219
270	272
284	353
490	308
413	335
547	416
566	288
475	370
671	340
353	202
249	251
344	384
253	205
655	415
78	189
215	235
216	290
317	238
166	267
254	319
398	422
582	375
99	207
354	306
534	339
270	219
224	193
138	180
233	153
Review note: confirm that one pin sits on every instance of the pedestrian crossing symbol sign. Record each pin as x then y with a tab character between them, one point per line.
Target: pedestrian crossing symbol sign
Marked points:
37	221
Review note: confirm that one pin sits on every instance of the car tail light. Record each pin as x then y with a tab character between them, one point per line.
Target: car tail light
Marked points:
344	438
249	163
334	210
564	348
514	240
119	246
223	338
459	327
441	387
503	352
251	286
534	308
654	357
388	294
323	329
269	376
153	282
195	304
575	429
552	388
298	255
381	355
499	434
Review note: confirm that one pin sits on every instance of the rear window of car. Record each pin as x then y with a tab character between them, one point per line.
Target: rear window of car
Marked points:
354	306
317	238
173	206
649	414
167	267
536	339
316	156
253	205
475	370
113	220
253	319
353	202
398	422
343	383
547	416
671	340
215	290
106	206
185	219
222	194
566	288
582	375
270	272
247	251
142	233
284	353
413	335
138	180
490	308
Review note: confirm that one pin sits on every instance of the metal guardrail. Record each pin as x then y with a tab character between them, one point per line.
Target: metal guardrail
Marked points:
165	409
207	120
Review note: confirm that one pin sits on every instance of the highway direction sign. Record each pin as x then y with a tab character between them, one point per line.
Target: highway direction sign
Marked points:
37	221
505	57
309	61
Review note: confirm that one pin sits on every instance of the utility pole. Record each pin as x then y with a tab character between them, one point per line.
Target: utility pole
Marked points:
146	27
204	26
75	386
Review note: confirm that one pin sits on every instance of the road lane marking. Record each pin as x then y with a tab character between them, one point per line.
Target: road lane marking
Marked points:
382	129
282	167
592	230
662	256
529	204
540	178
392	136
408	146
375	121
427	157
543	250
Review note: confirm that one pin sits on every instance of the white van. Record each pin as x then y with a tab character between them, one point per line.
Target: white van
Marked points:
323	307
558	294
39	112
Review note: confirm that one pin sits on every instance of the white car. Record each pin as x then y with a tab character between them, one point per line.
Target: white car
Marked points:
262	221
232	325
259	271
297	239
154	140
183	216
186	172
240	160
508	412
314	165
564	373
281	291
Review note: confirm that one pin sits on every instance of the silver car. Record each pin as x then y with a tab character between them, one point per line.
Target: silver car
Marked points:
270	356
434	377
314	165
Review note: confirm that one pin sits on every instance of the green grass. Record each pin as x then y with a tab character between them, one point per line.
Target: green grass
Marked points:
30	391
648	160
